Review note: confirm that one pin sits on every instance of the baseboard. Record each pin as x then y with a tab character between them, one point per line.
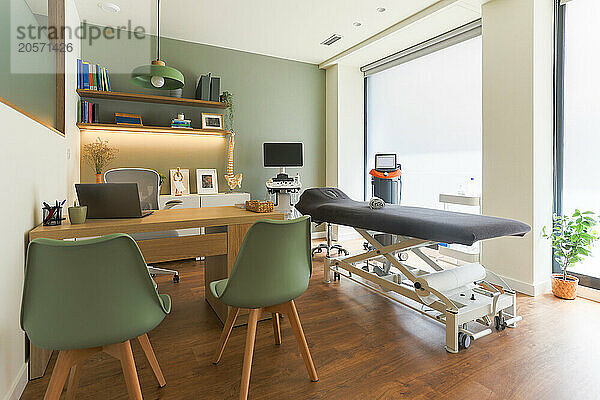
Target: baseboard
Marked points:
588	293
18	386
528	288
348	235
317	235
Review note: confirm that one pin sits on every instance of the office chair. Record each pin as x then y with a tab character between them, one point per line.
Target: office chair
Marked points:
148	182
72	303
272	268
329	246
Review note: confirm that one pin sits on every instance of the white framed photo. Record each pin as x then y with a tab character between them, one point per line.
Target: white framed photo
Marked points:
206	181
212	121
180	181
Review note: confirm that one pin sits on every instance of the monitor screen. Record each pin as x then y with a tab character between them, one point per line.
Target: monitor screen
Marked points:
385	161
283	155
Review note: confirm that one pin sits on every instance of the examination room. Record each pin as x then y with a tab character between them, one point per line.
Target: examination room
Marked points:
342	200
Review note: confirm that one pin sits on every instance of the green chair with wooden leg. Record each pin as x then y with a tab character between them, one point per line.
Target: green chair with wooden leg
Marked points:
73	303
272	268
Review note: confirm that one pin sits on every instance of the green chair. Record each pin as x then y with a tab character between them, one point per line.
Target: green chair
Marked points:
73	303
272	268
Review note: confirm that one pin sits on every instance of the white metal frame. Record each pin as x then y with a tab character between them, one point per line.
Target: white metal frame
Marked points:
479	302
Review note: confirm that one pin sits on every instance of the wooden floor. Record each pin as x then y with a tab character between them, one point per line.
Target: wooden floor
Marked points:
364	347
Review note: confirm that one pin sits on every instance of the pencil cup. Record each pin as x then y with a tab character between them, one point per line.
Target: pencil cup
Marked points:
52	215
77	215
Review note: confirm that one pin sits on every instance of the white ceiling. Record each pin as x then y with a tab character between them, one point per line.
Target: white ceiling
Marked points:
427	24
291	29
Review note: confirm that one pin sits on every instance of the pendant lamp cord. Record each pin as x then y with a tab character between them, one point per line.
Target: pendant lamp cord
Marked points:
158	27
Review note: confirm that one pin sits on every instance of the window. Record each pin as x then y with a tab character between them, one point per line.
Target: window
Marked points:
428	111
578	109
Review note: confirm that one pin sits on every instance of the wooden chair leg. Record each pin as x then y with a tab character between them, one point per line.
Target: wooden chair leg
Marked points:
73	383
129	371
59	375
276	328
149	352
231	317
66	359
303	346
248	353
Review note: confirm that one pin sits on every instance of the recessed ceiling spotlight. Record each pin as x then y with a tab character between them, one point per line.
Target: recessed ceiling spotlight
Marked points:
380	9
109	7
357	24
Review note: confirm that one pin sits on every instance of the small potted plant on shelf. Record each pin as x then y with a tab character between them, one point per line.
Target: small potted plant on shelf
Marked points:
98	155
572	239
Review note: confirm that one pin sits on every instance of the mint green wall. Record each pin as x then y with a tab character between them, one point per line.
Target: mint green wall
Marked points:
275	100
36	92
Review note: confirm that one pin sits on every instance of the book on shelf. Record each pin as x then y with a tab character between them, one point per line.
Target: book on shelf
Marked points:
181	123
87	112
92	76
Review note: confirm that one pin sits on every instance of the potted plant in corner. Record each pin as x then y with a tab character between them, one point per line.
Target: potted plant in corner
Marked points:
572	239
98	155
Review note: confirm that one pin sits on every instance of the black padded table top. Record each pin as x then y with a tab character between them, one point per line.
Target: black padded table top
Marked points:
334	206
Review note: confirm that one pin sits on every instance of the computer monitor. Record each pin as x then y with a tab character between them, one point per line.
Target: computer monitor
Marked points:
283	154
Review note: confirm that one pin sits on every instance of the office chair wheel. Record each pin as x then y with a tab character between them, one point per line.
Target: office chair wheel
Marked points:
175	278
464	340
403	256
336	276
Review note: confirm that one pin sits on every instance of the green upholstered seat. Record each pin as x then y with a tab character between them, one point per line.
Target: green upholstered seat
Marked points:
88	293
273	266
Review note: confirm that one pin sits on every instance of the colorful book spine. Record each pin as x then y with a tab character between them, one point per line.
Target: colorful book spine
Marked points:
86	75
79	85
92	76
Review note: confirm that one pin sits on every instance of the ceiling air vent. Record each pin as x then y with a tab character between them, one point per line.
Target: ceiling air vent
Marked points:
331	39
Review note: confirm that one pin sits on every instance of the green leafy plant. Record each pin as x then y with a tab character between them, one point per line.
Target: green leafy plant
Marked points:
162	178
229	118
98	155
572	238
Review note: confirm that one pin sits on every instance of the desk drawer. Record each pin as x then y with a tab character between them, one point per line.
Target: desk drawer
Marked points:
179	248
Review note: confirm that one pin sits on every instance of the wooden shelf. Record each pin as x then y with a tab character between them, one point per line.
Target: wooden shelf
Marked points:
148	98
150	129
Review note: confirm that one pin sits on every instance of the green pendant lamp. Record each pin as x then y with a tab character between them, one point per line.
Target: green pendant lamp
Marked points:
157	75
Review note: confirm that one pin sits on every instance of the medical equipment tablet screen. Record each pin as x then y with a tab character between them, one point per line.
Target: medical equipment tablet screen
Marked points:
283	155
385	161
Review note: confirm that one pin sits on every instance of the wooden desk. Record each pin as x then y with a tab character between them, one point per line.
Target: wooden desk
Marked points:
226	228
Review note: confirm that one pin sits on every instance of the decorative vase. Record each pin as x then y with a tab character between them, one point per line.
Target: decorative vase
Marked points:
565	289
98	178
77	215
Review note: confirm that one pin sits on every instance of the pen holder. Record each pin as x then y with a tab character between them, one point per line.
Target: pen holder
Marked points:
52	216
77	215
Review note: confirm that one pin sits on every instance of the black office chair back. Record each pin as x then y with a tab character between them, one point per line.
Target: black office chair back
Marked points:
148	182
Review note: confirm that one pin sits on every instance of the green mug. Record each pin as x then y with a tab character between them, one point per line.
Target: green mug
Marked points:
77	215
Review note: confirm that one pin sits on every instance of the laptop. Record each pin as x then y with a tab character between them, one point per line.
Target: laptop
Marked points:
110	200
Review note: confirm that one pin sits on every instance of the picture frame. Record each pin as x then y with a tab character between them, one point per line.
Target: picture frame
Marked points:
180	181
206	181
212	121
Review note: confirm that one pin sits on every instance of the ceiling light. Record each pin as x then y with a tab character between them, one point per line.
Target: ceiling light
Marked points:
109	7
380	9
157	75
357	24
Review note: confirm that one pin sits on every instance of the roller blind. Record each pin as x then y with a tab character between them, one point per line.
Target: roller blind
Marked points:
460	34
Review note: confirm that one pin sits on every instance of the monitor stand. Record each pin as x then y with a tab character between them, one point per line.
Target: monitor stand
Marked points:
282	176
